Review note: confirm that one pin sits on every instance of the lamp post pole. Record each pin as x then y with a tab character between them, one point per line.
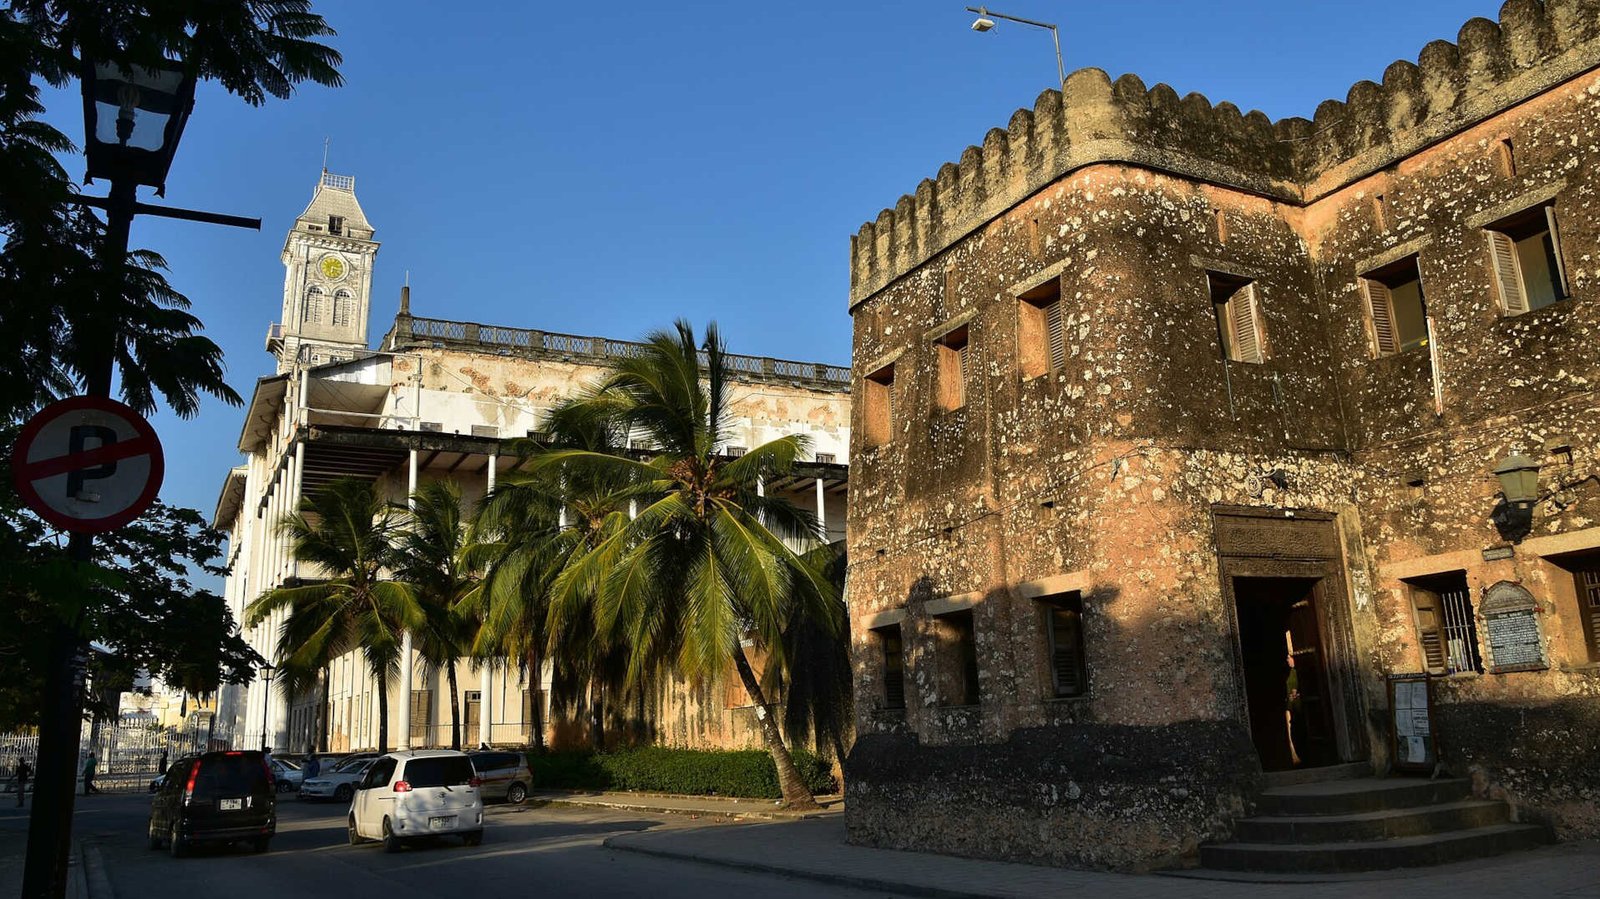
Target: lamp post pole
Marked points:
1055	34
266	703
127	166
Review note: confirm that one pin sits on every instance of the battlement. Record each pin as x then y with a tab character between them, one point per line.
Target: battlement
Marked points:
1491	66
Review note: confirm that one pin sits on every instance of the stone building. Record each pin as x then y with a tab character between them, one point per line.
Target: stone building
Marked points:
1175	451
440	399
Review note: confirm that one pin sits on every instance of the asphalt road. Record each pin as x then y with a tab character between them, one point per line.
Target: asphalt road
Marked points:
526	851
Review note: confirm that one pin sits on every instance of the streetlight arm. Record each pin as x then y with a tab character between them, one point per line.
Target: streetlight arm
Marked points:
983	11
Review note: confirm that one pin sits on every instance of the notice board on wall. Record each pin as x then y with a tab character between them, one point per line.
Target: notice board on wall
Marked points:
1414	742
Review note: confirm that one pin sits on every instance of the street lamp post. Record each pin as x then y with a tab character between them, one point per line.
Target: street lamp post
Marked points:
266	703
134	117
985	23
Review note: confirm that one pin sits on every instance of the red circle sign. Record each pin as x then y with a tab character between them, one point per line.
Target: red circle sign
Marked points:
87	464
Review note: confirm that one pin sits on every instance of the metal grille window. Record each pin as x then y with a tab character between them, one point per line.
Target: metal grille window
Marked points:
1447	629
894	672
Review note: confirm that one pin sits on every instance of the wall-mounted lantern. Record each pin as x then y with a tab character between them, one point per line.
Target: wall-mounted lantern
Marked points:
1519	484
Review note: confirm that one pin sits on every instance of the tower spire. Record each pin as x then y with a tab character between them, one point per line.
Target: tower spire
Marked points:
325	142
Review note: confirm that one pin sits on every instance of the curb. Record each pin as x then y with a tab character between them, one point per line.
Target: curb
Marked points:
740	814
865	883
97	882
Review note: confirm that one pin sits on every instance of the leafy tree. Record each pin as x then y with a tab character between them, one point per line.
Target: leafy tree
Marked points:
704	565
432	559
348	532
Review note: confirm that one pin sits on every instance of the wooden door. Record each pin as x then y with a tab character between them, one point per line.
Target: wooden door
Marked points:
1310	706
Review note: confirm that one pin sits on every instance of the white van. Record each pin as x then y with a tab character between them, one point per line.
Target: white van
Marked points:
420	793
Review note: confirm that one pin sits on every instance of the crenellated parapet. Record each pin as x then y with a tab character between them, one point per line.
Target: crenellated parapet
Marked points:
1451	86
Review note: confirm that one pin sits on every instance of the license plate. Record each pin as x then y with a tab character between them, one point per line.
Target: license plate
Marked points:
231	805
442	823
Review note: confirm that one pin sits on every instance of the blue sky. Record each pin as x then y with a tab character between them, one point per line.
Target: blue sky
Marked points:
601	168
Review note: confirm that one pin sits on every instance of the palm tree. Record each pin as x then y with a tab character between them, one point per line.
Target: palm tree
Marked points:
704	565
348	531
432	559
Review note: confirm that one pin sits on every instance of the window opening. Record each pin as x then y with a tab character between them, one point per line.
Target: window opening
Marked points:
734	452
1041	330
1507	157
1396	304
421	715
952	353
1587	573
958	658
342	309
827	458
1446	623
335	224
879	406
1525	254
312	313
1238	317
1063	619
894	674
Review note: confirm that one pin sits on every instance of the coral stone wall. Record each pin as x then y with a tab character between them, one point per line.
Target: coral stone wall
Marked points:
1105	476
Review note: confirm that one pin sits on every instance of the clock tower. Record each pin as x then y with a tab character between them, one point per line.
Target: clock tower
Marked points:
327	284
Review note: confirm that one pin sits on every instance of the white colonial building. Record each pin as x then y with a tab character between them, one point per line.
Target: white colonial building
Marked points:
439	399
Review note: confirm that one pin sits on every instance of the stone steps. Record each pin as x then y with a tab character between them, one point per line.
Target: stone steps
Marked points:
1349	823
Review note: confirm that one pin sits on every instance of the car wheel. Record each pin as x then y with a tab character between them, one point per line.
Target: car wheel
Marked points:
285	787
355	838
516	793
261	844
391	843
176	844
344	792
473	839
155	839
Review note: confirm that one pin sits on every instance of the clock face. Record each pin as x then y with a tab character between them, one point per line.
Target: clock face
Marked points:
332	267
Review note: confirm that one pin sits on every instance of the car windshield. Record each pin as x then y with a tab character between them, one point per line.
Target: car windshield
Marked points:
290	765
228	775
352	764
439	771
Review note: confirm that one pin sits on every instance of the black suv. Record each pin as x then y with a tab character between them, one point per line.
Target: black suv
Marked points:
218	797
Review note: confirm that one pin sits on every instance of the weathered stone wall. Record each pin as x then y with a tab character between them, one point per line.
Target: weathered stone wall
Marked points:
1103	477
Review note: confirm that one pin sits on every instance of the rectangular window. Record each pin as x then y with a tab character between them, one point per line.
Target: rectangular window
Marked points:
958	658
485	431
1395	302
433	427
894	670
1238	317
734	452
879	406
952	352
421	716
827	458
1041	331
1447	627
335	224
1588	575
1063	627
1525	255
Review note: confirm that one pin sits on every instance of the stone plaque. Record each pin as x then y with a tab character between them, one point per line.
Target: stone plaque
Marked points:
1511	625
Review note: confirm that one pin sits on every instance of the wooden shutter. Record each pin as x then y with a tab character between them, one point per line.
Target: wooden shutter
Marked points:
894	676
1055	331
1381	305
1589	608
1245	324
1555	253
1503	254
1066	650
421	715
1430	629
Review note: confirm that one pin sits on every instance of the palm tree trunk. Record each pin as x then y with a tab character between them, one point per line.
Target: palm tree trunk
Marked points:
455	709
795	794
535	675
324	725
383	714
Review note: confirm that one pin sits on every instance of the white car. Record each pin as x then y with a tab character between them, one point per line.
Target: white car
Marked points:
339	784
418	793
288	775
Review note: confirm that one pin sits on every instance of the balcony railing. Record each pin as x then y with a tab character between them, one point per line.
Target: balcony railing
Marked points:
571	347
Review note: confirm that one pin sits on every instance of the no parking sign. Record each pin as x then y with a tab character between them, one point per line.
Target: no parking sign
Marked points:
87	464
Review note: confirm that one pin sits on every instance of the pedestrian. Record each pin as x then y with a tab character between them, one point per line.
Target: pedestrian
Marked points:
161	766
24	771
88	776
312	766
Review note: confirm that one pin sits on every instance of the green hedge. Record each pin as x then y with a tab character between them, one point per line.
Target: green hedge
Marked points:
744	773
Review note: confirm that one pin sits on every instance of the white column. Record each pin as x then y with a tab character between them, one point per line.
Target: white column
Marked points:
403	719
822	511
485	671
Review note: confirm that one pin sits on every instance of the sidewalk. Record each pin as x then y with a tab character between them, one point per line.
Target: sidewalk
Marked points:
693	806
815	849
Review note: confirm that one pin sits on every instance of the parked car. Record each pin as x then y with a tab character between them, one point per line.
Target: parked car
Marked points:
288	775
505	775
340	783
216	797
417	793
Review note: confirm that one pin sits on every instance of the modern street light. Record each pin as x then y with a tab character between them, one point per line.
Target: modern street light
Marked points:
133	118
985	23
266	702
